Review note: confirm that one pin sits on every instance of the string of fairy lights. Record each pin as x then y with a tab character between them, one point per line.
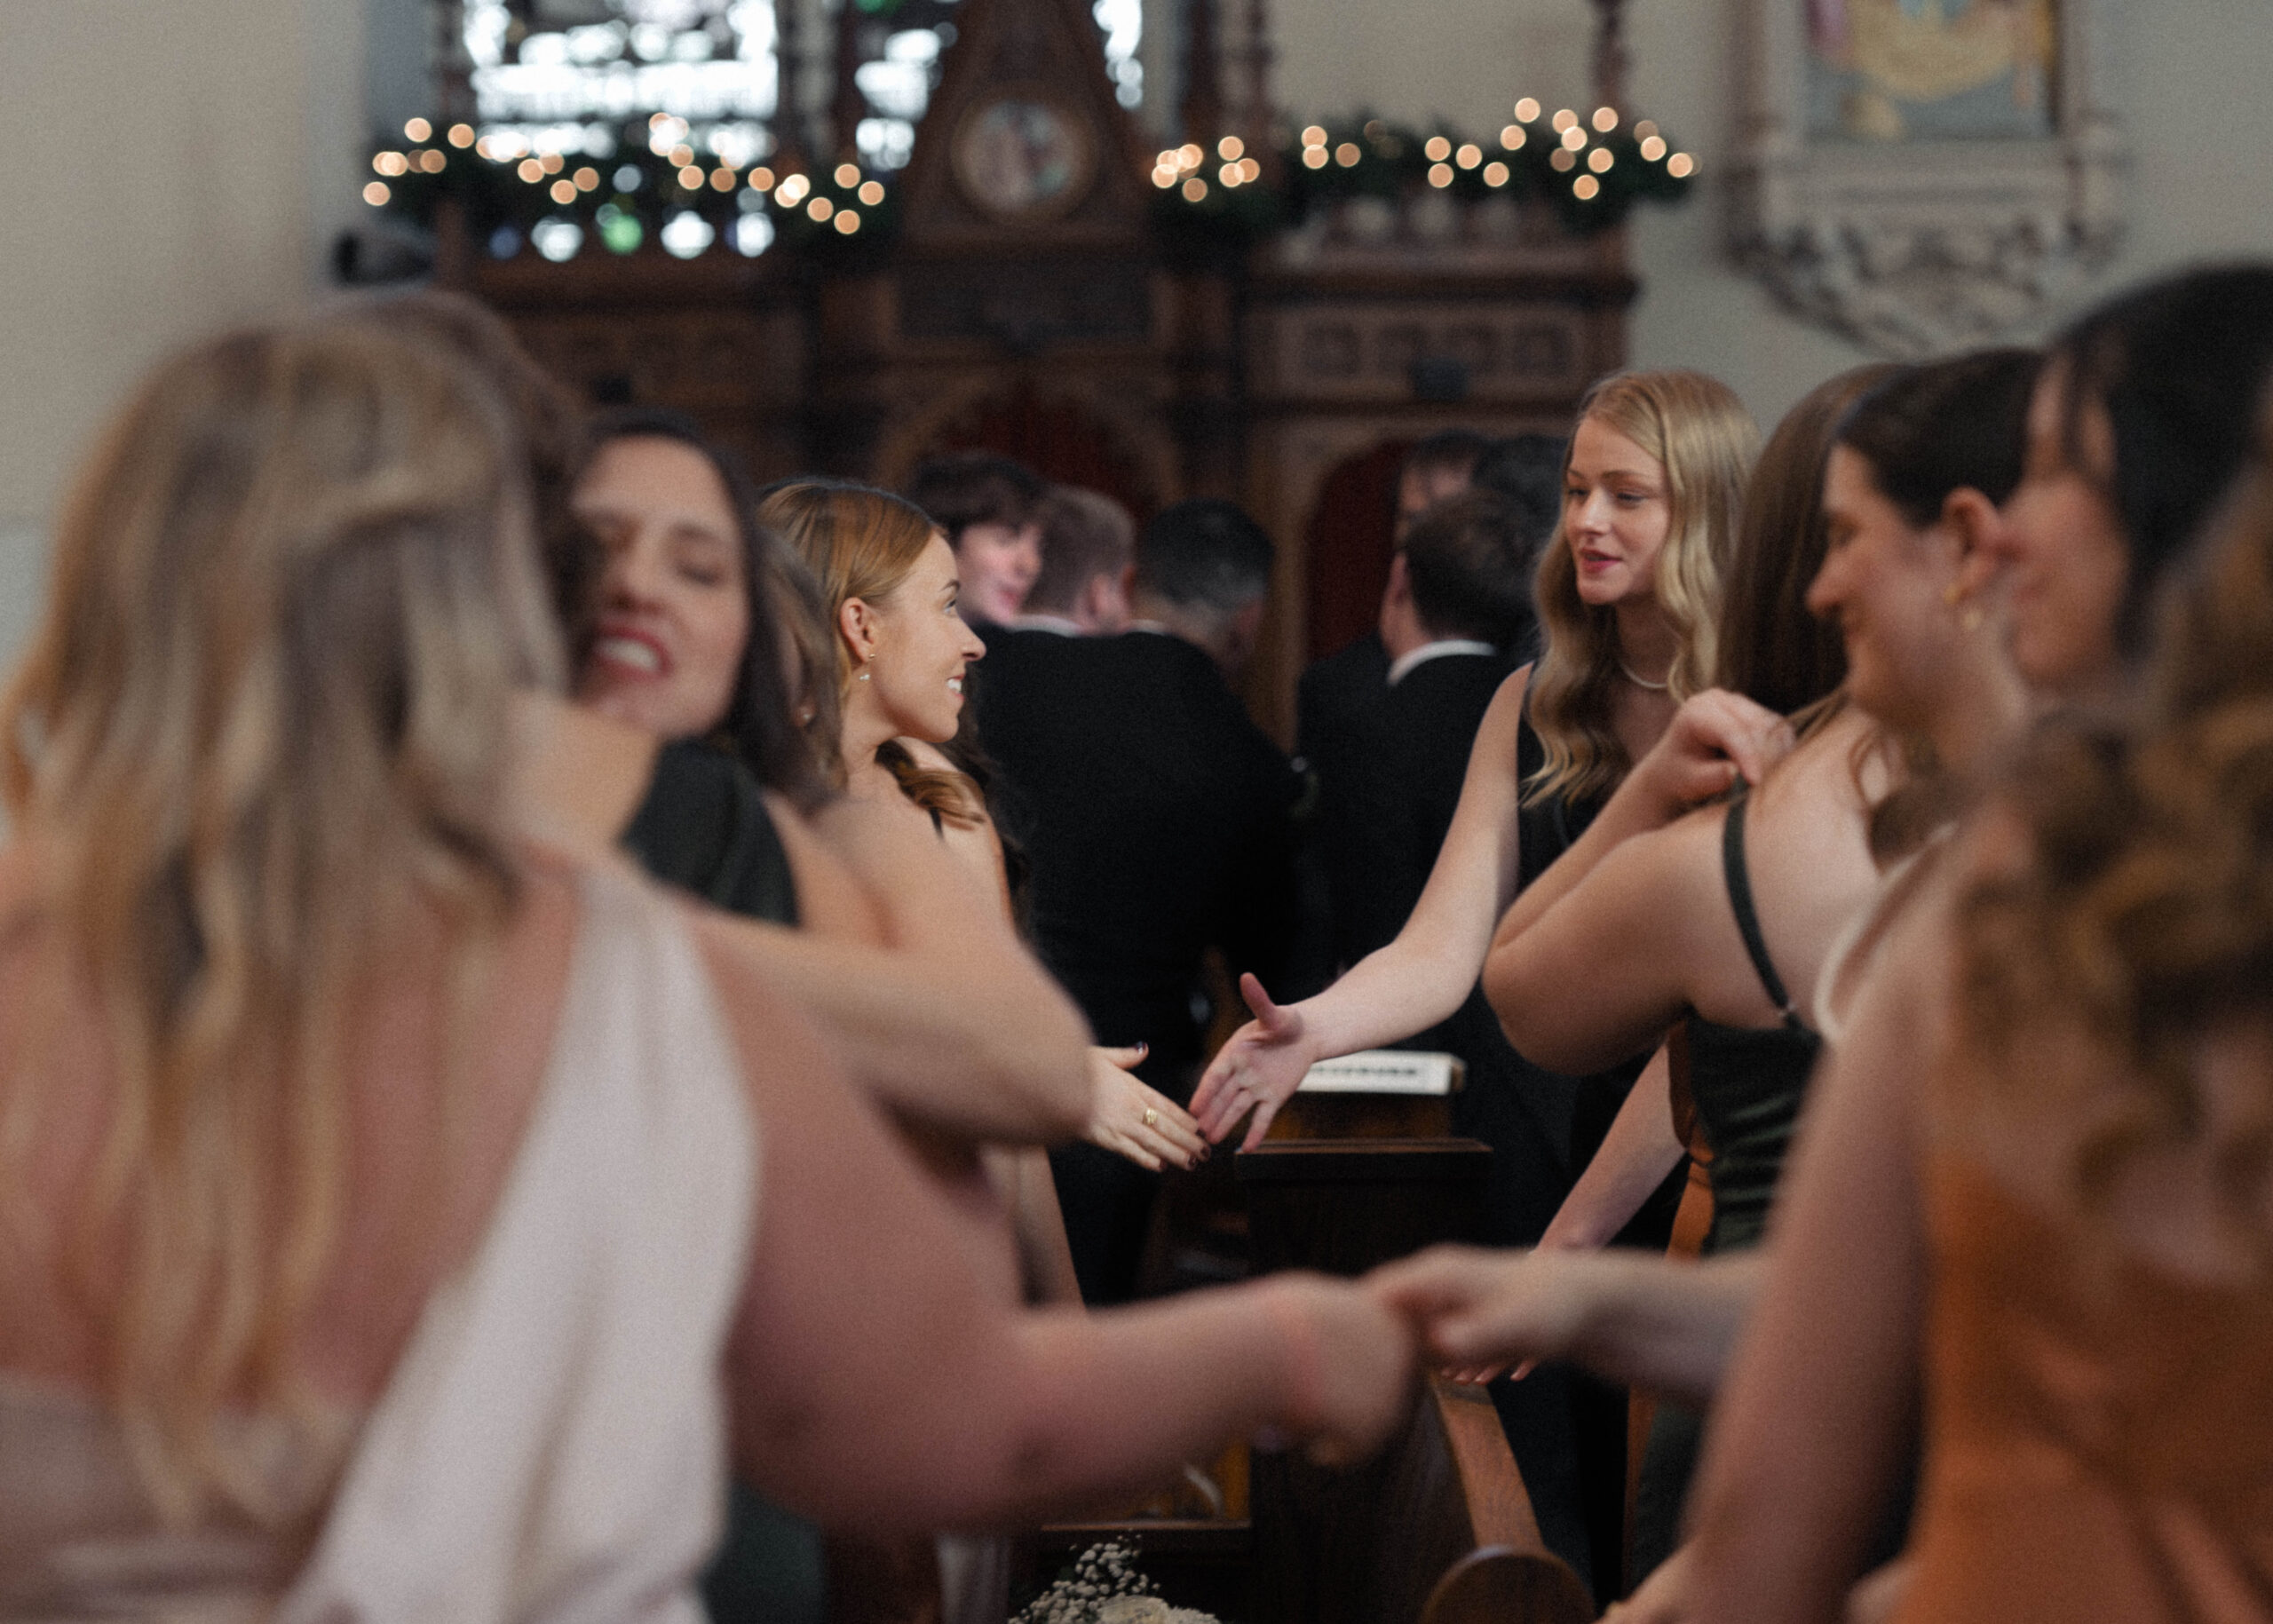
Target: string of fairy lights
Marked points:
690	190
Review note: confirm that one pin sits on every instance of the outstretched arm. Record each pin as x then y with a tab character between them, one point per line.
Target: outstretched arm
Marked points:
1005	1415
1632	1161
1407	987
1652	1322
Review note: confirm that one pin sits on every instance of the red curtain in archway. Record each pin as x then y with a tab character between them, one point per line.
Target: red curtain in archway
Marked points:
1353	535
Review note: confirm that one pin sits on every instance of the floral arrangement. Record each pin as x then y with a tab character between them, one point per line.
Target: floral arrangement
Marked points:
1103	1586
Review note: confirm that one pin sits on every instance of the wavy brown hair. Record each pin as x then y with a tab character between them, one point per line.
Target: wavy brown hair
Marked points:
2142	915
862	543
1701	435
261	729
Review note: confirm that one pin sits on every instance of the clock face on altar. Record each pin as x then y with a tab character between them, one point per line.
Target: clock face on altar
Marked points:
1024	156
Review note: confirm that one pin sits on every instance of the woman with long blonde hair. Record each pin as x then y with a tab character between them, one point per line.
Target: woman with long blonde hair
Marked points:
372	1245
1628	591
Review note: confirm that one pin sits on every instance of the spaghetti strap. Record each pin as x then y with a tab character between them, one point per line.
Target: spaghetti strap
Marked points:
1739	877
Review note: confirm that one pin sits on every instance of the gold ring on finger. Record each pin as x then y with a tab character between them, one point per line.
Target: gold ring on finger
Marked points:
1152	1117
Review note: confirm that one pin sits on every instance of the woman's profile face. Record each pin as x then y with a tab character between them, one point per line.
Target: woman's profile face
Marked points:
922	649
674	614
1616	514
2061	547
1885	583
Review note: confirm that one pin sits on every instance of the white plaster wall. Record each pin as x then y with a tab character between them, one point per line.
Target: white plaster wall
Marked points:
2190	72
171	167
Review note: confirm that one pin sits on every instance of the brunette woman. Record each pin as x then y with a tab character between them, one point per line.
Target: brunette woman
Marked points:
1985	1132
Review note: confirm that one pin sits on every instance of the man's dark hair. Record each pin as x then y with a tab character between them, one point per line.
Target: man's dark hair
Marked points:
974	488
1206	552
1085	533
1525	472
1447	450
1469	560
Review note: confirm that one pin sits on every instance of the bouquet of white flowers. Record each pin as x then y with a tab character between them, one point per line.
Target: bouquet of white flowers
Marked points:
1105	1587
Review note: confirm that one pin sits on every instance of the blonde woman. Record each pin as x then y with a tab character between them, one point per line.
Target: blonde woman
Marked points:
1627	593
370	1249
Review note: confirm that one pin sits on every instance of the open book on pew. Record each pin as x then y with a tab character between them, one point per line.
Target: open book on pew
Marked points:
1375	1094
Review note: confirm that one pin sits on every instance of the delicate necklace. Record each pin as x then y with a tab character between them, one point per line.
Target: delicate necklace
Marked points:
1627	671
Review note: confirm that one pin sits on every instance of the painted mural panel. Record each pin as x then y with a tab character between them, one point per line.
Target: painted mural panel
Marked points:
1932	70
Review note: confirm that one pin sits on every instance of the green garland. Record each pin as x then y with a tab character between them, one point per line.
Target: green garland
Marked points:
1592	185
629	200
1205	205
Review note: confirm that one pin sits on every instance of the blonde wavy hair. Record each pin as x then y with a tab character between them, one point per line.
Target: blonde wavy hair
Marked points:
260	729
862	543
1701	435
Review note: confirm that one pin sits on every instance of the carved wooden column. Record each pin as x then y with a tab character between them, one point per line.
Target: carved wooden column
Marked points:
1259	54
1202	108
847	104
1611	60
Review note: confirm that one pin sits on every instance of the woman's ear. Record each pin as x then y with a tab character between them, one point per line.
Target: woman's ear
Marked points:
1972	519
856	623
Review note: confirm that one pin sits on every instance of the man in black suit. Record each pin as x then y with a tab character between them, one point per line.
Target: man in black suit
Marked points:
1158	820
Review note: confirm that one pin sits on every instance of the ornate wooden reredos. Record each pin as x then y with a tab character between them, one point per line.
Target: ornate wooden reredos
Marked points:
1043	315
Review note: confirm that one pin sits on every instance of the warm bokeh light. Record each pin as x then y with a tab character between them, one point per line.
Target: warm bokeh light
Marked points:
872	193
564	191
1194	189
1653	147
722	179
1250	169
1314	135
1315	158
848	175
417	130
1230	148
1646	129
1164	178
530	171
1585	188
682	154
1563	160
1440	174
1190	156
848	221
1527	110
691	177
1599	160
1495	174
553	162
792	190
1574	138
461	136
1513	137
391	163
1468	156
1231	174
432	160
1681	166
1346	154
1438	149
820	208
1605	119
587	179
1564	118
761	179
376	194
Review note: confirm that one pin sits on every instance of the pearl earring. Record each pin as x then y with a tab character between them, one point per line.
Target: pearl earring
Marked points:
864	677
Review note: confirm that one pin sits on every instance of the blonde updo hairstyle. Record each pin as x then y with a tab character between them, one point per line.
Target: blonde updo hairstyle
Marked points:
1703	438
863	543
262	728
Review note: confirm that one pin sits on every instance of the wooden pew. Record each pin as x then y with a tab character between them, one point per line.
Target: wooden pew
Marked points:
1436	1529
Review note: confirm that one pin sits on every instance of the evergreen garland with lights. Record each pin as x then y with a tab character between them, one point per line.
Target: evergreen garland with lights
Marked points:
658	188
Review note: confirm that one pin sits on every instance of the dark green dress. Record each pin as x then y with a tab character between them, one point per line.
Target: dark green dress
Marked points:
1749	1083
704	829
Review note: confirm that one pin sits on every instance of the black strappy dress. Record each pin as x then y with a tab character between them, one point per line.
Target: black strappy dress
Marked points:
1749	1083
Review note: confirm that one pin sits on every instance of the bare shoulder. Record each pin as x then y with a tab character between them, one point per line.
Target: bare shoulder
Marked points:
831	899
